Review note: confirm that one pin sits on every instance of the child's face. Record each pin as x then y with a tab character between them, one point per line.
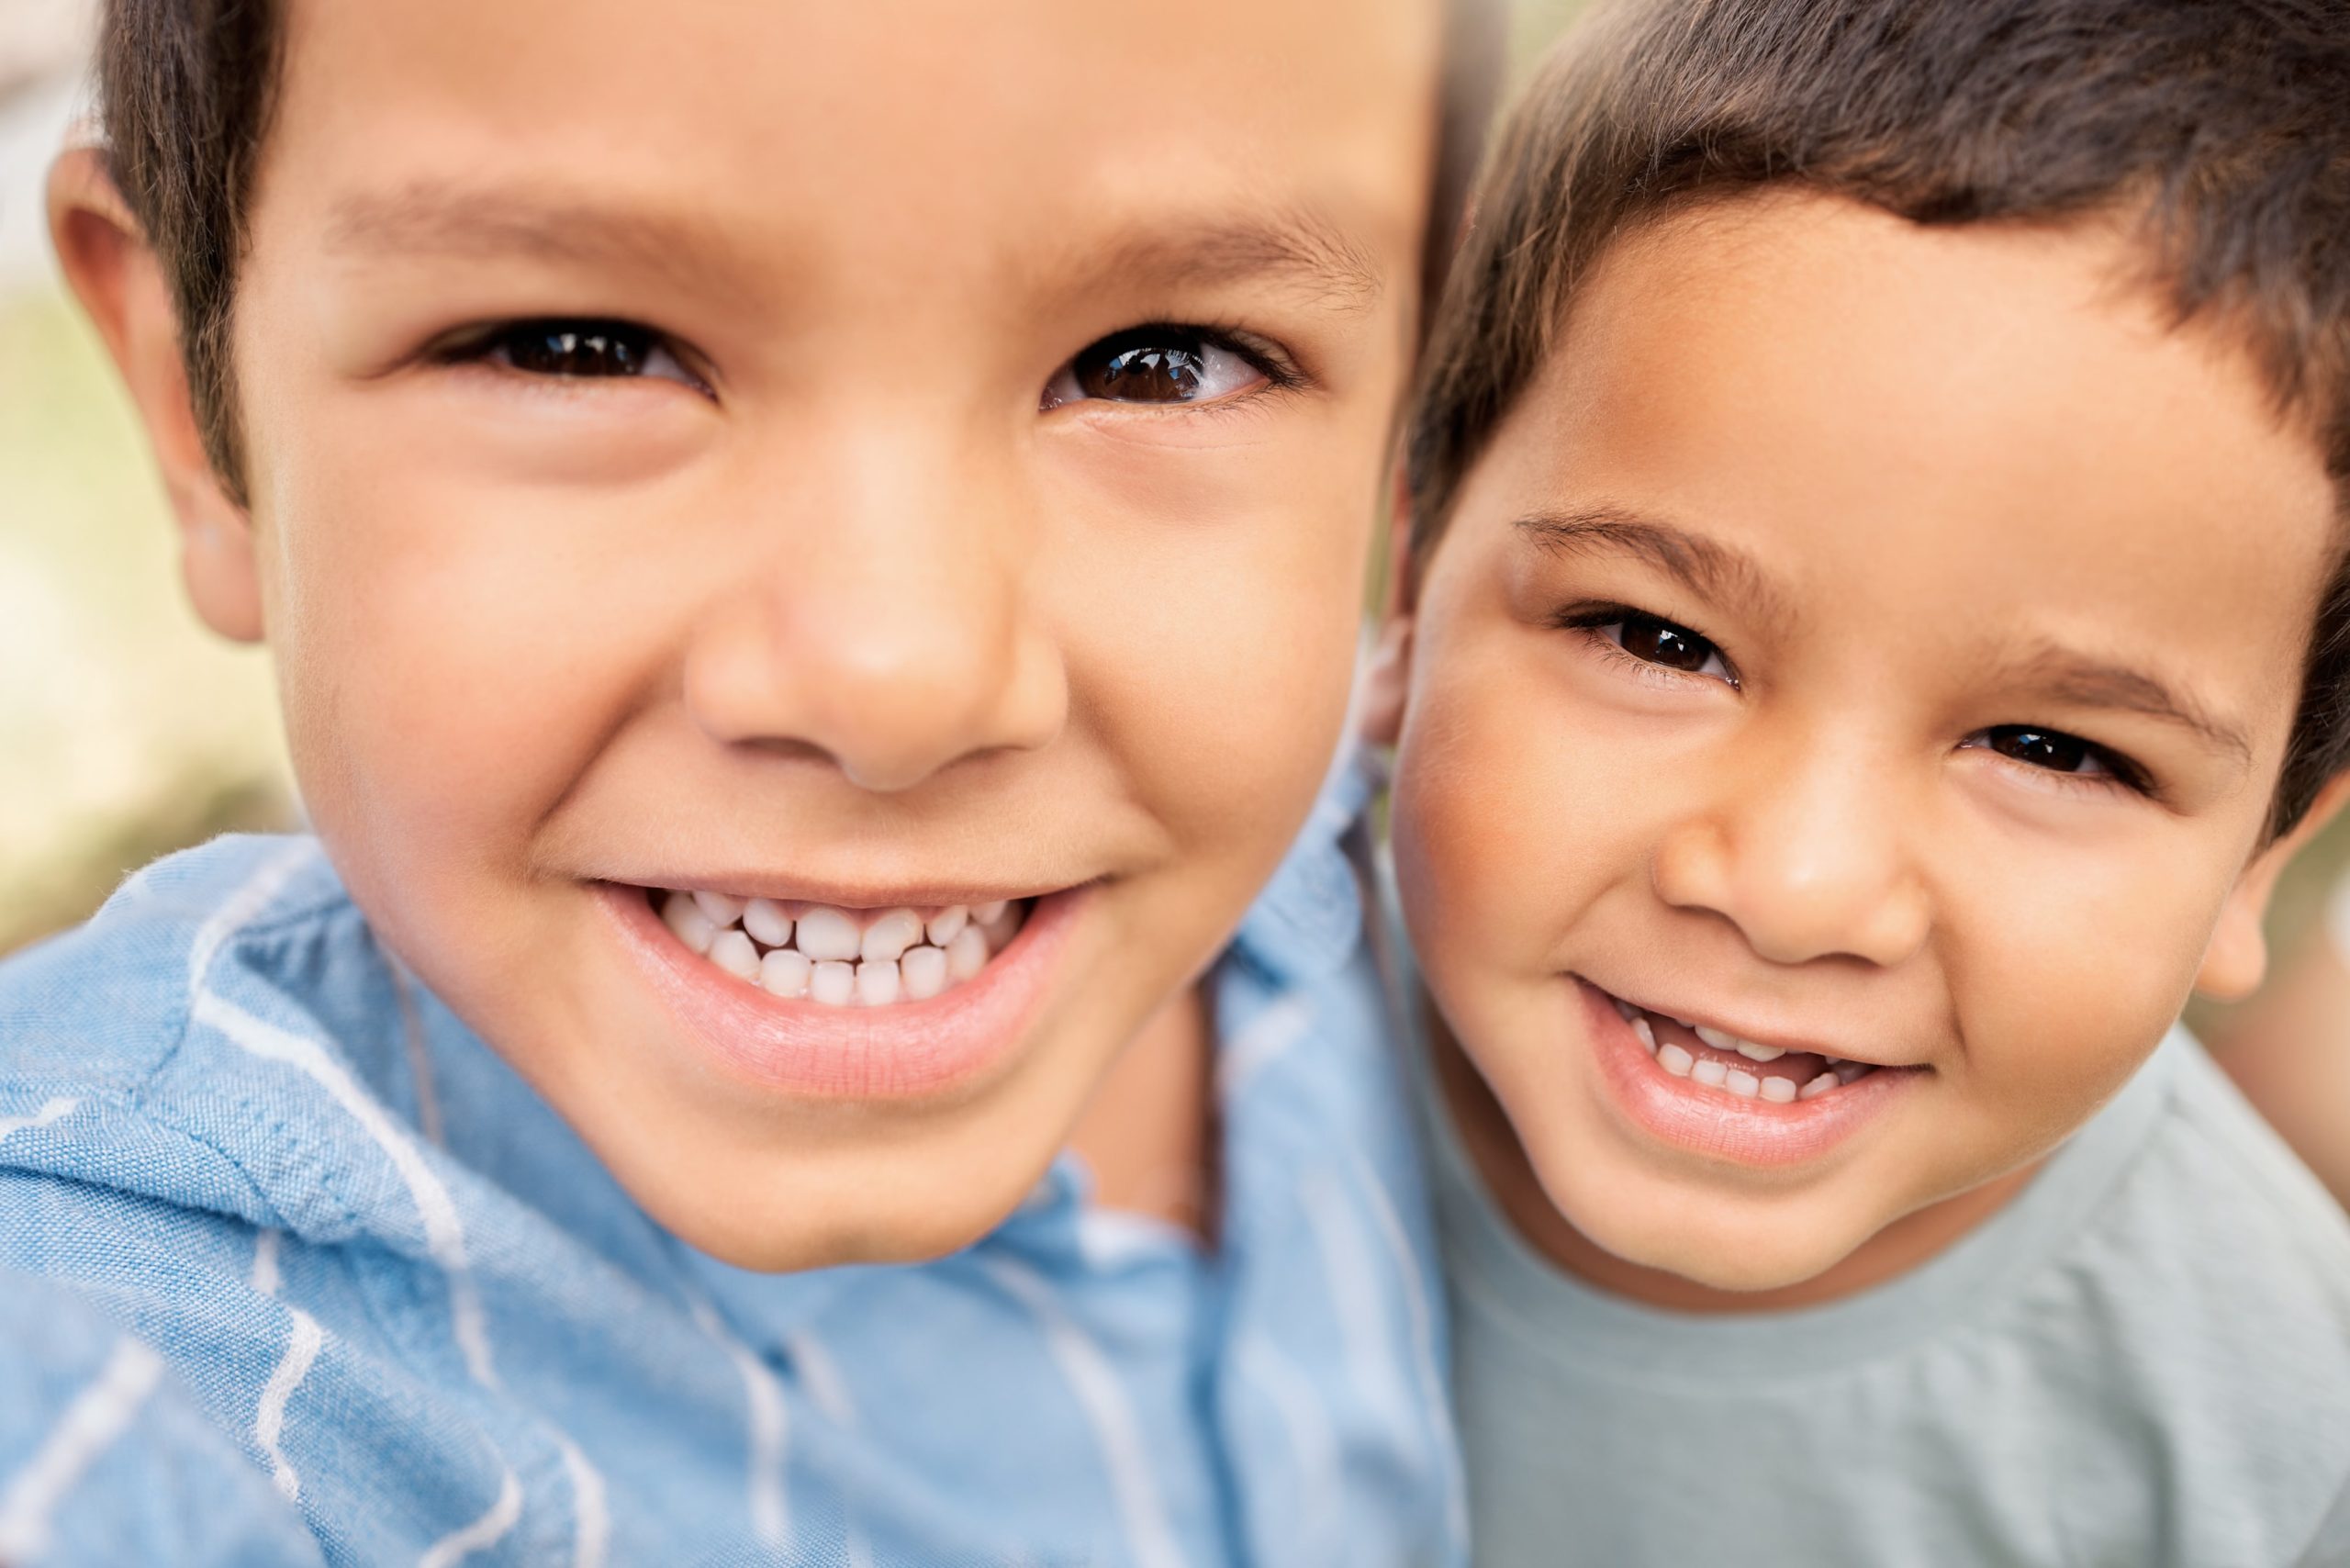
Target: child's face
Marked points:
852	568
1872	643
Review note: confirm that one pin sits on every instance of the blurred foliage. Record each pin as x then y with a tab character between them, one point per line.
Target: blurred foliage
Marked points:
127	729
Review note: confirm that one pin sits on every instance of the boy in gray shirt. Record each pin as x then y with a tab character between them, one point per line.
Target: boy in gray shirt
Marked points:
1876	626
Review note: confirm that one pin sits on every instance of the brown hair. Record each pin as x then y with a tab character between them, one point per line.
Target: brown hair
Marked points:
2224	126
185	89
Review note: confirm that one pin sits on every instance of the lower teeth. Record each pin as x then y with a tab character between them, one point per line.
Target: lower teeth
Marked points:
836	957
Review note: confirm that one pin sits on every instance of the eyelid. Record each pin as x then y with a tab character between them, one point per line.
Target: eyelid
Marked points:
1593	617
2118	771
1268	357
472	344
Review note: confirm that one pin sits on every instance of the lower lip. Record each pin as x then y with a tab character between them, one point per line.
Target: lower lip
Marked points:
904	1051
1701	1120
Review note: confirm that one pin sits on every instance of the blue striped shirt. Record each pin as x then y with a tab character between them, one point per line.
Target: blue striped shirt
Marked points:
294	1269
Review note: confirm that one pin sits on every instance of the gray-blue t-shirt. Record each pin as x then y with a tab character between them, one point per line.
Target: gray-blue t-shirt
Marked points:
2142	1361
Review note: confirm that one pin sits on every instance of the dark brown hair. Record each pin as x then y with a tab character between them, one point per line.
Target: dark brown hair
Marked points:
2221	128
185	89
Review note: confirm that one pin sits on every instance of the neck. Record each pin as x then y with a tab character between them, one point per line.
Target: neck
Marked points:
1148	1134
1500	1160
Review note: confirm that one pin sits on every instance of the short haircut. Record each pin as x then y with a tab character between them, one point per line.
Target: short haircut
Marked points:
184	92
2219	128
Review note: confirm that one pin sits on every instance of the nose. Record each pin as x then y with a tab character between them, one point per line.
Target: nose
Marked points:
890	627
1805	847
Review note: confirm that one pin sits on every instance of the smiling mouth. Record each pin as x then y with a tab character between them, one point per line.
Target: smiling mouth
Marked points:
838	955
1739	1068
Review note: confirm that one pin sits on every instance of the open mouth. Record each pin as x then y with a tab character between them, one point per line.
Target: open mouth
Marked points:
836	956
1716	1058
1753	1103
891	999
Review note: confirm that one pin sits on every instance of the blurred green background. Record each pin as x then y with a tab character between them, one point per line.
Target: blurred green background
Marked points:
126	729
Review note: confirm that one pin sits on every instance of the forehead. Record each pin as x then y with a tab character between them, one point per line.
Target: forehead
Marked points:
1991	427
927	129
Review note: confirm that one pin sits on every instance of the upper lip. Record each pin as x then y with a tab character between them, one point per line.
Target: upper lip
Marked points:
841	894
1782	1039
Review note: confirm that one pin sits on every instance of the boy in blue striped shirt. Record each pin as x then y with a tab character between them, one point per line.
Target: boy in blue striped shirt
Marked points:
813	575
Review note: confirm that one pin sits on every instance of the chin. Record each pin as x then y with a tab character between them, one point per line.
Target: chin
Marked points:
880	1213
1736	1249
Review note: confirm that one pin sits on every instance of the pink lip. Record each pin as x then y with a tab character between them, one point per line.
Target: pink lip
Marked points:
903	1052
1746	1132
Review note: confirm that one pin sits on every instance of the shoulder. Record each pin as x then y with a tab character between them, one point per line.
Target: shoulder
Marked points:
2208	1302
133	1047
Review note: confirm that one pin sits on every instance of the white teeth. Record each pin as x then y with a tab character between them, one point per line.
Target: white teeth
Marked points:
1779	1090
1817	1087
1674	1060
1644	1032
685	917
785	973
967	954
721	910
892	933
832	982
1709	1071
732	952
924	972
816	954
1684	1023
1723	1040
876	982
767	922
828	934
1742	1083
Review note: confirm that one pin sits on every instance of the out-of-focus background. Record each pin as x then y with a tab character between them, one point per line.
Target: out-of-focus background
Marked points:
126	729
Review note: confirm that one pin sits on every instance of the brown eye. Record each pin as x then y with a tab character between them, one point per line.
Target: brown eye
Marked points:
1153	364
1662	642
581	350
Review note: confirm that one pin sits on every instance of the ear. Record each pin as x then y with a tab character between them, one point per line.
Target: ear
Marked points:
116	275
2237	960
1387	686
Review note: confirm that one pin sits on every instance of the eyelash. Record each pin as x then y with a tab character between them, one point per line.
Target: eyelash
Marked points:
1268	358
1593	621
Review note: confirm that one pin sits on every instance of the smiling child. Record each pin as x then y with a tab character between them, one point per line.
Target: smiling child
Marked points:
813	556
1878	625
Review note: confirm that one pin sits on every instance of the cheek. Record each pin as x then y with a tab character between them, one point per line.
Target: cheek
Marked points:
450	657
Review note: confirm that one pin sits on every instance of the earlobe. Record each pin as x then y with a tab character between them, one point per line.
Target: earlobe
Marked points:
119	283
2237	960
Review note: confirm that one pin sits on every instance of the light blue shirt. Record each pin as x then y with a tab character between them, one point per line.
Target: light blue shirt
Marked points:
294	1269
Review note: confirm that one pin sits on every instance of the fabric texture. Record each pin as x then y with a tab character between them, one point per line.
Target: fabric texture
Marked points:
2144	1361
295	1269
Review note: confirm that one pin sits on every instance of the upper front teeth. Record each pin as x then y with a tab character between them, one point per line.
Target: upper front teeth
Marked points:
1723	1040
814	950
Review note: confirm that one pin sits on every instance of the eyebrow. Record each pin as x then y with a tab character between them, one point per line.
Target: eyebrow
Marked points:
2077	678
1293	246
1721	574
1716	572
468	223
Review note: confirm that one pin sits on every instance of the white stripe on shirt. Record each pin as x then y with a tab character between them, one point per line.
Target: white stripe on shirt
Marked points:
444	1235
49	1112
241	906
1095	1384
482	1533
88	1426
763	1396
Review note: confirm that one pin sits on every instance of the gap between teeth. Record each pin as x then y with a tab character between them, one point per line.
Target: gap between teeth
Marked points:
839	958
